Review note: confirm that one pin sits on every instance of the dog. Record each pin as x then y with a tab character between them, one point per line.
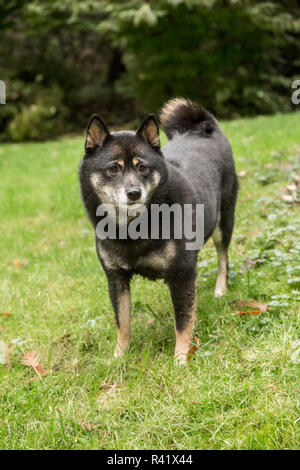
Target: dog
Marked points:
130	169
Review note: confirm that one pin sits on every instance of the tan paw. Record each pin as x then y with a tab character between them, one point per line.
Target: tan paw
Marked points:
119	351
220	291
180	359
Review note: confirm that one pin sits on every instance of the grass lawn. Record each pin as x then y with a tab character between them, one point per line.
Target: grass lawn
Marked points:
240	389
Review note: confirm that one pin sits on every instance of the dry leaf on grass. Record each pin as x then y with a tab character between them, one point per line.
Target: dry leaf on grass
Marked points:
151	321
67	335
21	263
193	349
4	353
255	308
89	427
5	314
247	312
31	359
274	388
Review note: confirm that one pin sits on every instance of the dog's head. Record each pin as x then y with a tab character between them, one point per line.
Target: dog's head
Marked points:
124	168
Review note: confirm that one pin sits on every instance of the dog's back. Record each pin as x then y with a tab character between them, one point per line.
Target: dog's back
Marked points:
201	152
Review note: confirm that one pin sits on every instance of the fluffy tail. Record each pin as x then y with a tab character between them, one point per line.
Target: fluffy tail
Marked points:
182	115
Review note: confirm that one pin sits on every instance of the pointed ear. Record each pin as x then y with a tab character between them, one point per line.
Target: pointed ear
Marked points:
149	131
96	133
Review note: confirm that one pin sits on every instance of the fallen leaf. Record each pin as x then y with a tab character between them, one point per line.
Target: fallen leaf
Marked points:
89	427
151	321
31	359
193	349
67	335
6	314
21	263
41	369
254	304
247	312
273	386
256	307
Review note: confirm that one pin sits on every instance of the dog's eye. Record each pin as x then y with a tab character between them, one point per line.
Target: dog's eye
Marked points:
113	170
143	169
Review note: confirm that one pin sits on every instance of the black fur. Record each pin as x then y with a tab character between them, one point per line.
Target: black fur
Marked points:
189	117
195	166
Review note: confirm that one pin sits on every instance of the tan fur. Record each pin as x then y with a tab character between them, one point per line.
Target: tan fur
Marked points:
124	329
156	178
184	338
170	108
135	161
111	260
221	284
159	261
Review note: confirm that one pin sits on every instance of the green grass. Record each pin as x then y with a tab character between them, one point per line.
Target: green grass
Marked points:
241	388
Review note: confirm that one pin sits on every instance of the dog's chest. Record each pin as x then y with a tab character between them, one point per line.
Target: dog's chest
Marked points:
154	263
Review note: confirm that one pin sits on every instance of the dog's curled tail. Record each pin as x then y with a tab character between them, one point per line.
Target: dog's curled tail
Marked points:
183	115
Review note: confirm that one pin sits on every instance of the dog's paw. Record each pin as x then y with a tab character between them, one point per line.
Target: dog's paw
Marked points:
220	291
180	359
119	352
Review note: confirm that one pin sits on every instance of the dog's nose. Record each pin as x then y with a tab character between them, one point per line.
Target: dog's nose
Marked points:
133	194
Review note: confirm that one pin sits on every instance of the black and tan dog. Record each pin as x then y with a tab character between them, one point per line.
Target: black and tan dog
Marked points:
129	168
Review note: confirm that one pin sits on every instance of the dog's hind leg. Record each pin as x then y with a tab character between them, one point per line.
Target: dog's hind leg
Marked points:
222	236
222	251
120	297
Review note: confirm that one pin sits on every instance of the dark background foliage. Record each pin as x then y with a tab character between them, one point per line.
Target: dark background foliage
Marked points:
62	61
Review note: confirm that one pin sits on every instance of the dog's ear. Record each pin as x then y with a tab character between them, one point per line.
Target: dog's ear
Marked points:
149	131
96	133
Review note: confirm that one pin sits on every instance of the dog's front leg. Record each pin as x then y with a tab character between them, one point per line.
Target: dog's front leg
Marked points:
119	291
184	299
